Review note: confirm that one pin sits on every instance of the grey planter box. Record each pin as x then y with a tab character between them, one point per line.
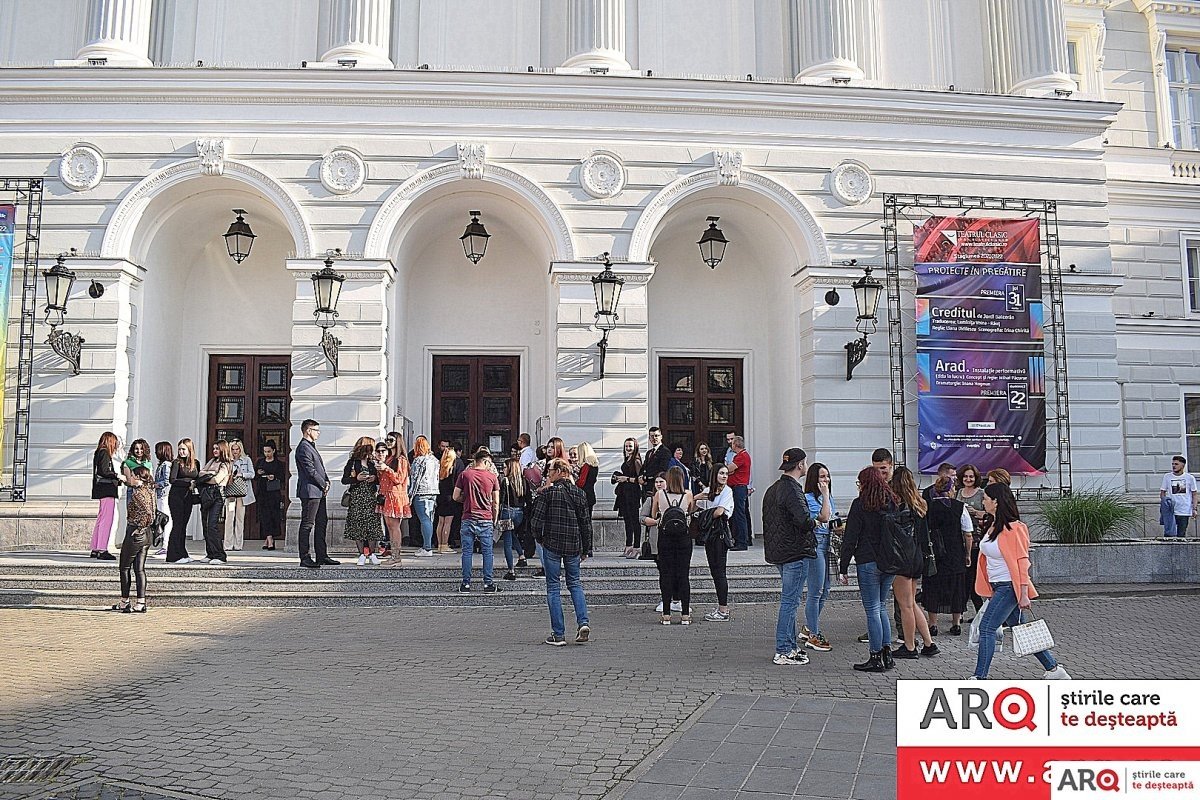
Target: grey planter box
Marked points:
1138	561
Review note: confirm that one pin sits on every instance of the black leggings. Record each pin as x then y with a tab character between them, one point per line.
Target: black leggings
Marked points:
718	555
133	557
181	514
674	568
633	531
270	514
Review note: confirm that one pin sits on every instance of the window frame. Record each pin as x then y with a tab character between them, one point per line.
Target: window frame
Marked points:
1185	131
1193	392
1188	240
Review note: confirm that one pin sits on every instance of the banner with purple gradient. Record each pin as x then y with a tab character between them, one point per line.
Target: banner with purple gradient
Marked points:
981	368
8	217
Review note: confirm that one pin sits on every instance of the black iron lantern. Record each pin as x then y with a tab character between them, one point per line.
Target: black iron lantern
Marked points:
59	281
327	288
239	239
866	298
607	288
475	238
712	244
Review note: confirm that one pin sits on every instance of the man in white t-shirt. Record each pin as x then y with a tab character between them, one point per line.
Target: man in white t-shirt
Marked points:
528	455
1181	486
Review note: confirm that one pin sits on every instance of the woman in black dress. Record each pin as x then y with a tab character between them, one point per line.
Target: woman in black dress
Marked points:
447	510
271	475
950	531
185	469
628	504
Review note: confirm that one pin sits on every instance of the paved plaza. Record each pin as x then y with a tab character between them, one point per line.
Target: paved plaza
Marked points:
464	703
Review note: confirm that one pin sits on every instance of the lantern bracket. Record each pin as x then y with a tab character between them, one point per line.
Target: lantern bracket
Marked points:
329	346
67	345
856	351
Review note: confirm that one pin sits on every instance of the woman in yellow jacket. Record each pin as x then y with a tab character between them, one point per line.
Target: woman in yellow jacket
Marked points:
1003	577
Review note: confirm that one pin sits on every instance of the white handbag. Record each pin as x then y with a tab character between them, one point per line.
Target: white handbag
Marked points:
976	623
1031	637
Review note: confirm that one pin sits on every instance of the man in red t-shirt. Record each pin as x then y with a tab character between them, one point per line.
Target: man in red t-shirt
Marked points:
739	482
478	489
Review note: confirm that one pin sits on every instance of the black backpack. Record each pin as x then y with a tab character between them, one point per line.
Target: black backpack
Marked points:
674	520
898	552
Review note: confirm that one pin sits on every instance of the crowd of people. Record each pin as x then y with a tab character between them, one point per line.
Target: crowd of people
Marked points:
957	543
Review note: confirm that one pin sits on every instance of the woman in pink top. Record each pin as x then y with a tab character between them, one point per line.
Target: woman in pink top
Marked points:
1003	577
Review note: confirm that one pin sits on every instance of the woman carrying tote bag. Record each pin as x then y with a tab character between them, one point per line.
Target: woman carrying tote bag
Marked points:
1003	578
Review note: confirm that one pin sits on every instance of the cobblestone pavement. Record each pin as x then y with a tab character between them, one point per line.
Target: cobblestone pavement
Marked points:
463	702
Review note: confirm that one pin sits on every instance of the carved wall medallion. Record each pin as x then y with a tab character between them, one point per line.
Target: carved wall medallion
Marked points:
343	171
602	174
729	166
471	159
213	153
81	168
851	182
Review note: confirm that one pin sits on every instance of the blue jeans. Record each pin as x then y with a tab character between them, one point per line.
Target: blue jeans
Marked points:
477	529
1002	609
818	584
511	540
424	506
553	564
794	575
741	517
873	587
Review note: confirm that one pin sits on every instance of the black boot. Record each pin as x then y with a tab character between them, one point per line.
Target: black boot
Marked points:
872	664
886	654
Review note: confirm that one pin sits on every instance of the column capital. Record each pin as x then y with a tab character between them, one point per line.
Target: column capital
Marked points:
355	269
582	272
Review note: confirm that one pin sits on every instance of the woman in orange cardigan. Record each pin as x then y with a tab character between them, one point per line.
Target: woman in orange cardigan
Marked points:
1003	577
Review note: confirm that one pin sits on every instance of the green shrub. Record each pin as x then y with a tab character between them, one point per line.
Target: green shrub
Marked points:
1089	516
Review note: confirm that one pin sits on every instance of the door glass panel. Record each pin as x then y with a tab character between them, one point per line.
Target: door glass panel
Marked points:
456	378
278	438
680	412
272	377
231	410
720	380
497	378
457	438
496	410
231	377
455	410
272	410
720	412
680	379
225	435
716	444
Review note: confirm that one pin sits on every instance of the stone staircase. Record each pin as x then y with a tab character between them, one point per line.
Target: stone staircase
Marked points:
73	580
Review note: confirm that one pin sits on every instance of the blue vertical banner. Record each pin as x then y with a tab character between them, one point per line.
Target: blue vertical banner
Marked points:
8	218
981	365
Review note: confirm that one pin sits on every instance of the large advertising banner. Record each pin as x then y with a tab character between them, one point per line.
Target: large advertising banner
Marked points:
981	366
8	216
1043	740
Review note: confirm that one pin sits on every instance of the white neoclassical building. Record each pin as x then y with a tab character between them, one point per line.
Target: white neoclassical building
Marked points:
577	128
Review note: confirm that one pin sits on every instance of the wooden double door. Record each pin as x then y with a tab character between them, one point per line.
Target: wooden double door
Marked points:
476	401
700	400
249	399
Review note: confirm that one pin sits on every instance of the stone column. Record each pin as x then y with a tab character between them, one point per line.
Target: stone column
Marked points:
362	32
587	408
355	403
118	30
1027	45
836	41
597	31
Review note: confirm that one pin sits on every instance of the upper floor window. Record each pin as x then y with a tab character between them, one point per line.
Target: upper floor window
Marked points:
1183	77
1191	272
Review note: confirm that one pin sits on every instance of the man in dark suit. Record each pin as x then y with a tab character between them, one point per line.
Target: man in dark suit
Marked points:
312	487
658	460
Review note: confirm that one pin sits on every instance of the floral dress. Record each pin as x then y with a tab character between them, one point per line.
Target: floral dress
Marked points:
362	515
393	485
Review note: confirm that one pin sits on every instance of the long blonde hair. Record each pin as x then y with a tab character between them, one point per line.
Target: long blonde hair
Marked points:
905	488
587	455
446	465
512	471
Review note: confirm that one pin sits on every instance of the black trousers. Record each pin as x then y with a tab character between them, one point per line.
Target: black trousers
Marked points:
633	531
314	522
181	515
718	560
133	559
214	534
270	514
674	568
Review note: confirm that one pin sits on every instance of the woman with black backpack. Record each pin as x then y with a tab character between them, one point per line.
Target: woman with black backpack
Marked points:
671	507
912	621
867	532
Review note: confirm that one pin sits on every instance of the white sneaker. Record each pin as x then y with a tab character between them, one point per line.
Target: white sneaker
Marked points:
1056	674
423	553
784	659
658	607
374	559
216	562
677	605
362	560
200	560
184	560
